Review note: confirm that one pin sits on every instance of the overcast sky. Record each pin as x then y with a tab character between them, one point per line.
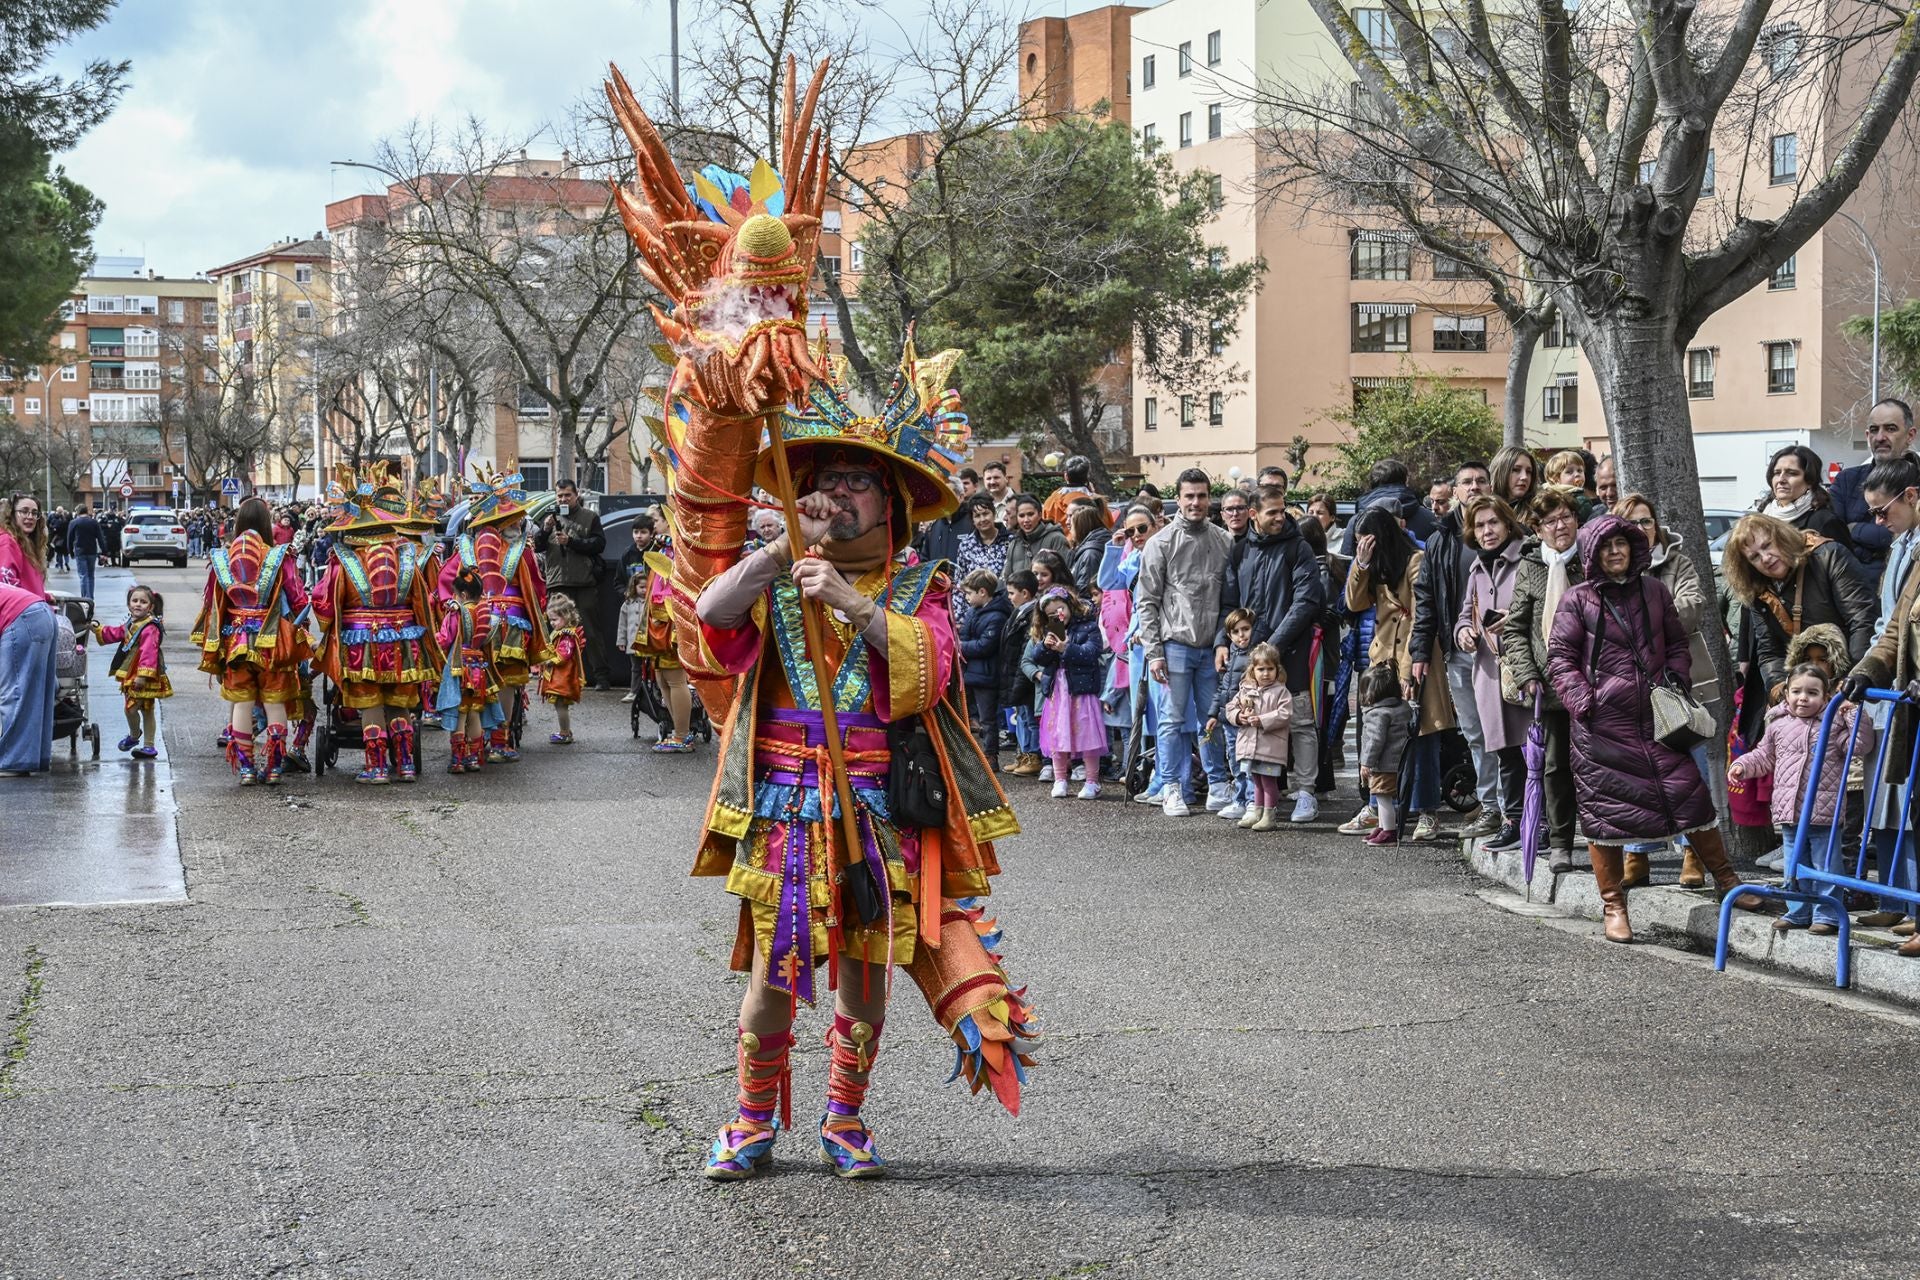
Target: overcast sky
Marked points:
224	141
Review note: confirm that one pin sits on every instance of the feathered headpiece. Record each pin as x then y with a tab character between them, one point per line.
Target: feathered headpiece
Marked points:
428	504
494	498
370	500
920	431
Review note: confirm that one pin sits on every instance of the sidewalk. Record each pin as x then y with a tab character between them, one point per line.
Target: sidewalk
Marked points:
1689	920
94	832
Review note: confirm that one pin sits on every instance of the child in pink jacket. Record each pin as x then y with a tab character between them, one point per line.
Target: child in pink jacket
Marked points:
1793	730
1263	712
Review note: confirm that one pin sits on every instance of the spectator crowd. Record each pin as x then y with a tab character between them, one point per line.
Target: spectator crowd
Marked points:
1518	642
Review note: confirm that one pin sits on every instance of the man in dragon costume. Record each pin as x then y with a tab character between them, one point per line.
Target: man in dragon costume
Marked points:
852	814
375	608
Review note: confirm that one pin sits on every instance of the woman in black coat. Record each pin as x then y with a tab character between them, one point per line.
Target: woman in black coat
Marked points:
1788	582
1796	495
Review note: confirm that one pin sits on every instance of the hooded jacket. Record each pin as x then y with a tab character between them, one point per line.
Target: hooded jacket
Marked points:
1279	581
1787	753
1628	786
981	633
1401	500
1021	546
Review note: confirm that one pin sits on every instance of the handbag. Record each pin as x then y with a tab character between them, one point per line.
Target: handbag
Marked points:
1679	720
916	790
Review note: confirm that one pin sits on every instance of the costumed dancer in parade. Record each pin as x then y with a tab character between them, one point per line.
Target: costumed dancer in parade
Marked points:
469	692
886	664
247	636
375	609
494	545
853	814
563	675
140	665
426	507
649	585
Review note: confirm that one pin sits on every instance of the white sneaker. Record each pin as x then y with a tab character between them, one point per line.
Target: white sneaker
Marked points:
1175	805
1427	828
1090	791
1046	773
1774	861
628	697
1079	773
1233	812
1060	789
1219	796
1150	797
1305	807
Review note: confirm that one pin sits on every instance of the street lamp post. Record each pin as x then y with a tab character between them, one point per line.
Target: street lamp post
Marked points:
46	420
1873	252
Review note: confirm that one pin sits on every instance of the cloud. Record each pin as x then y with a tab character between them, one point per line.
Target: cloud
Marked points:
222	144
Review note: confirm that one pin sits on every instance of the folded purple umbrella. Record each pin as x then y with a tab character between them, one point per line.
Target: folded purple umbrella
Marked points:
1535	802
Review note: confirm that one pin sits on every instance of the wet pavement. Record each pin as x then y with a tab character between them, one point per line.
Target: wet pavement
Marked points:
95	831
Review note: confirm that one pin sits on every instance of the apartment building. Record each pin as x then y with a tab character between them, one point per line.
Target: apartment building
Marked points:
1772	369
132	343
273	307
516	431
1348	304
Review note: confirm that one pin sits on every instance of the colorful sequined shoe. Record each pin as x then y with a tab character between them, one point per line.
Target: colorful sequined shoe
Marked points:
375	773
744	1148
745	1144
847	1144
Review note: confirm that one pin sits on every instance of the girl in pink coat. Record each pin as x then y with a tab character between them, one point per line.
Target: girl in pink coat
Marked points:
1263	712
1787	752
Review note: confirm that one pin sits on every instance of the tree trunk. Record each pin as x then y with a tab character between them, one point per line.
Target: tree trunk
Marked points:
1639	366
1526	340
1078	435
567	447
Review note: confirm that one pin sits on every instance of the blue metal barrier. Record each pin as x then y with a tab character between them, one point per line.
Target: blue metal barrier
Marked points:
1833	885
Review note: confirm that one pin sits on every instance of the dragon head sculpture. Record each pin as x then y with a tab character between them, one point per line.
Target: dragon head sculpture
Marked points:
734	263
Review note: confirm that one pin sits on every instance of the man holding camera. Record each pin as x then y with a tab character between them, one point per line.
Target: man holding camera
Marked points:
569	543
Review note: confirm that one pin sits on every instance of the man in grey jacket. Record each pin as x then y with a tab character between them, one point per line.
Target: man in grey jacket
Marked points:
1183	572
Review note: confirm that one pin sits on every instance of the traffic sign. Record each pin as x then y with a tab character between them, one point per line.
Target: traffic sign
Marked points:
1833	472
126	490
230	487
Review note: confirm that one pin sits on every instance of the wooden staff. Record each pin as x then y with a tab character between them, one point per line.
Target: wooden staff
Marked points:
810	625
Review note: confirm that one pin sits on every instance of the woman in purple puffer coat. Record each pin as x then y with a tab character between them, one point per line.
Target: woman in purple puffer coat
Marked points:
1615	636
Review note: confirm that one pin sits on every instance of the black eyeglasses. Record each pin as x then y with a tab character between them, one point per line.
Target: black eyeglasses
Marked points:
1879	514
1135	530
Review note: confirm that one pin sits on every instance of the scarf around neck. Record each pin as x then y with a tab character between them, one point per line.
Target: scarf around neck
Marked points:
855	556
1791	511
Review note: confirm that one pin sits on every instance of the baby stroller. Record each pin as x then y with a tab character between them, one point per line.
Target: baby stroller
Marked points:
650	703
71	707
338	727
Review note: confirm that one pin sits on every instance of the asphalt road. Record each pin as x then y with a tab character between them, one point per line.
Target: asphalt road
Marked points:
481	1027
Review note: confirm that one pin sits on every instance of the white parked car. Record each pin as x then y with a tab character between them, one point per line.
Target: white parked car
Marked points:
153	534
